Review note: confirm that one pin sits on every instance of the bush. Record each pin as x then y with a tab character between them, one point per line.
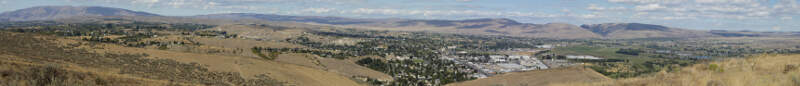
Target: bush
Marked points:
715	67
789	68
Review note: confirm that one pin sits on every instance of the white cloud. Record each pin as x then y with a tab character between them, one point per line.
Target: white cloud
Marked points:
725	9
648	1
726	1
318	10
145	1
589	16
649	7
595	7
209	4
463	13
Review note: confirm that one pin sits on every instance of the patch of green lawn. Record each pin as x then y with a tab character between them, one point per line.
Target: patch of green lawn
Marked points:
603	52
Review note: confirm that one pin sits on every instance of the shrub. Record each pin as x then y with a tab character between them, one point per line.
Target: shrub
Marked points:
715	67
789	68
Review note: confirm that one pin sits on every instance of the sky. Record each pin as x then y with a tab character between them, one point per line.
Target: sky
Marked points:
752	15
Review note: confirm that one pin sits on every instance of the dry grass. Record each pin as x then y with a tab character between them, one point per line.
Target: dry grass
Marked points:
764	70
15	73
538	78
350	68
88	68
342	67
248	67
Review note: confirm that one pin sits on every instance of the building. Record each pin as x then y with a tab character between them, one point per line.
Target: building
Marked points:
516	57
545	46
497	58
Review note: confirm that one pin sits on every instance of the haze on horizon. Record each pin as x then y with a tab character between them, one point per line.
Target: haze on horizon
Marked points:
753	15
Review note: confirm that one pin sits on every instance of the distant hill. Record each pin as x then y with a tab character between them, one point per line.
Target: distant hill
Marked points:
488	26
484	26
57	12
284	18
638	30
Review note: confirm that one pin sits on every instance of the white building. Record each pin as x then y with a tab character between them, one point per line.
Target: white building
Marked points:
515	57
544	46
533	62
497	58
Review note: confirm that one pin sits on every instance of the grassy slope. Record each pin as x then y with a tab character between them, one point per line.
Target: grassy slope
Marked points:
50	63
161	66
538	78
21	73
765	70
247	66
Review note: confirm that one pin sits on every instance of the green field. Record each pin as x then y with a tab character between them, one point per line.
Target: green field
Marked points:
602	52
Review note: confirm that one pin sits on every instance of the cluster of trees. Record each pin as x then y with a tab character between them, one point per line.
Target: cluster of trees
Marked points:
99	29
419	73
273	52
223	34
135	41
355	35
630	51
271	55
554	57
613	69
737	52
133	32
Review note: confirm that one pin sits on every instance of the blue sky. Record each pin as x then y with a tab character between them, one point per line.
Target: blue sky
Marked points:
755	15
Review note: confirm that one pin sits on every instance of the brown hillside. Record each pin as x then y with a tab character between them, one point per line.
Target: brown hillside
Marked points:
538	78
156	65
63	64
765	70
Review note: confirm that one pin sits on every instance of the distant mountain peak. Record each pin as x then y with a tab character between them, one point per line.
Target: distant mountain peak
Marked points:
57	12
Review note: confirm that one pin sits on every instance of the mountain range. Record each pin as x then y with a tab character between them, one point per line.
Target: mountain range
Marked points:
485	26
57	12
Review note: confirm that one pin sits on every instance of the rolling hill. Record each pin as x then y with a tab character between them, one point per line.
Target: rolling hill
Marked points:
484	26
638	30
58	12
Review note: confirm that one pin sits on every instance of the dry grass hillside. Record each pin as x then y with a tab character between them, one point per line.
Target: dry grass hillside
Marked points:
86	63
764	70
248	67
39	60
539	78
